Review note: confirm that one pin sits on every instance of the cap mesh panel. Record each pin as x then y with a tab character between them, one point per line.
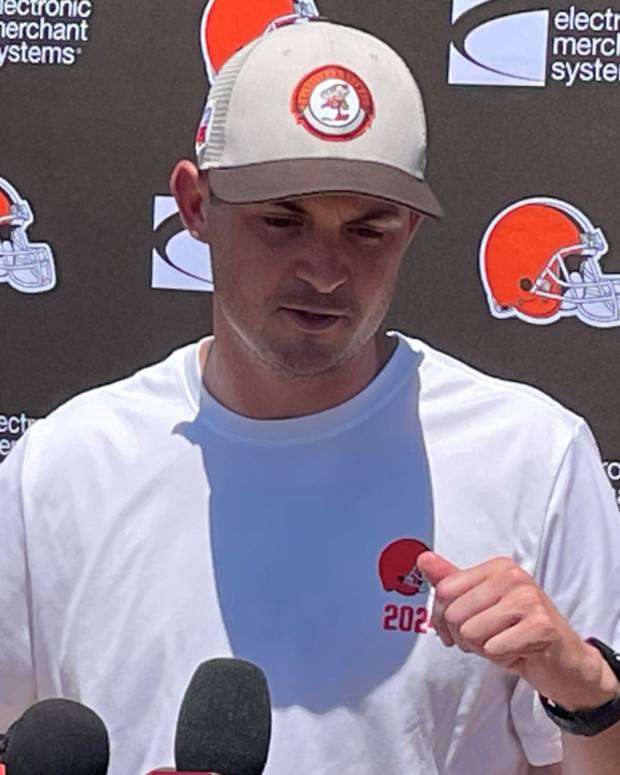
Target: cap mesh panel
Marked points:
221	94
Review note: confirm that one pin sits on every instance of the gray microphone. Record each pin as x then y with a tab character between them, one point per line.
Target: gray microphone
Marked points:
224	725
56	737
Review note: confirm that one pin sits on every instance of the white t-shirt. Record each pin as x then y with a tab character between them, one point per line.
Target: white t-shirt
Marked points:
145	528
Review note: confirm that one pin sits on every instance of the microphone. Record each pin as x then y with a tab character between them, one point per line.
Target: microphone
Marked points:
56	737
224	724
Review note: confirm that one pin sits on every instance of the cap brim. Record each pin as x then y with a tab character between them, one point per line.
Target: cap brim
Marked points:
300	177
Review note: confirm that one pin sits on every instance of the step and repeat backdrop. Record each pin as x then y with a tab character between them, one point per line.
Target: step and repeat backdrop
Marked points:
99	98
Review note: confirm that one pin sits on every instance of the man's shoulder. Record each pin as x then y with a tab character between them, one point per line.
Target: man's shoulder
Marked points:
154	393
449	384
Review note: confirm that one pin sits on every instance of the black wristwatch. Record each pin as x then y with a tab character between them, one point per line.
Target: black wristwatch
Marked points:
594	720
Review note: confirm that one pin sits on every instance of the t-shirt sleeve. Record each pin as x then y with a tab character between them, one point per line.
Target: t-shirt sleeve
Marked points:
17	680
578	566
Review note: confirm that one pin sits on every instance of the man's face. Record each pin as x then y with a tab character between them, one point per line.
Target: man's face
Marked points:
305	283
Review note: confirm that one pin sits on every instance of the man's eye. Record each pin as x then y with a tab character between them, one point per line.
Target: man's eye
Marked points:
366	233
279	222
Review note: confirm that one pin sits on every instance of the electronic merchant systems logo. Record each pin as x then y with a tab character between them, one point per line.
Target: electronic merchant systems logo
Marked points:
179	262
12	428
522	43
43	32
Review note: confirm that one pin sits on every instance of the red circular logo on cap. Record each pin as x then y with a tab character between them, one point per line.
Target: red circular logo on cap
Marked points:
333	103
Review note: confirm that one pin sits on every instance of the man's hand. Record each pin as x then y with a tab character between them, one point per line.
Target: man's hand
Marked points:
497	610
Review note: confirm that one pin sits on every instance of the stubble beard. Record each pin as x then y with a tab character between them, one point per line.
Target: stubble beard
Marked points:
306	357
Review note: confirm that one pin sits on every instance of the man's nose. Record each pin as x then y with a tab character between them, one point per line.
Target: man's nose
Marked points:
323	268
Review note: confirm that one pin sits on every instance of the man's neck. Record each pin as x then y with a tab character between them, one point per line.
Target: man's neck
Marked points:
251	389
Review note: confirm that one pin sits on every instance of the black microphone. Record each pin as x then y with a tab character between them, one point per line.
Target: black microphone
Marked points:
56	737
224	724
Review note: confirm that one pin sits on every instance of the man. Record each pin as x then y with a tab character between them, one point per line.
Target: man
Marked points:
271	491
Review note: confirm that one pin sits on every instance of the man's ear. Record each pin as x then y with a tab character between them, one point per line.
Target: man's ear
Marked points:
191	194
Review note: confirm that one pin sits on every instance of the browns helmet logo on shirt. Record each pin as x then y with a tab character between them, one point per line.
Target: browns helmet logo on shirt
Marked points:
398	566
228	25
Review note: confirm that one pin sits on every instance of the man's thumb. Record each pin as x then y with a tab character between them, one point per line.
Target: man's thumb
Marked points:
434	567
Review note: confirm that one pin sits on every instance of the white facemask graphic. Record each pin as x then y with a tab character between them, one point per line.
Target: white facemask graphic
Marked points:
26	266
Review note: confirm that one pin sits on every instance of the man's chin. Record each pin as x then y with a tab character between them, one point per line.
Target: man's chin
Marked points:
309	359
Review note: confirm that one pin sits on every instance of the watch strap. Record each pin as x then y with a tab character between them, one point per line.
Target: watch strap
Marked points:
591	721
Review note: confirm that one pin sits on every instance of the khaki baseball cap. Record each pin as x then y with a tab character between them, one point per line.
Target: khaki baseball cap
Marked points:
315	107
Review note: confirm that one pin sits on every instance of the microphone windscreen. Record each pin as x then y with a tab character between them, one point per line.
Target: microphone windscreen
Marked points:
57	737
224	723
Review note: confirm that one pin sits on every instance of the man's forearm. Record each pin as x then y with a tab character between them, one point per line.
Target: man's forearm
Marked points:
599	755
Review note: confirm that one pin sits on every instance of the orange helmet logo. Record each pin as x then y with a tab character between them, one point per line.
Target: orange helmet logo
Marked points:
540	261
228	25
26	266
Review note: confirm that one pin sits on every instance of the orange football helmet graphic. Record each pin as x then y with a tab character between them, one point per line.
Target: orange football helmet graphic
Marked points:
228	25
540	260
26	266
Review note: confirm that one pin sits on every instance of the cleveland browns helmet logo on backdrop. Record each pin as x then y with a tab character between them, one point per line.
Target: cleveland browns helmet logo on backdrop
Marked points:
398	566
26	266
228	25
540	261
